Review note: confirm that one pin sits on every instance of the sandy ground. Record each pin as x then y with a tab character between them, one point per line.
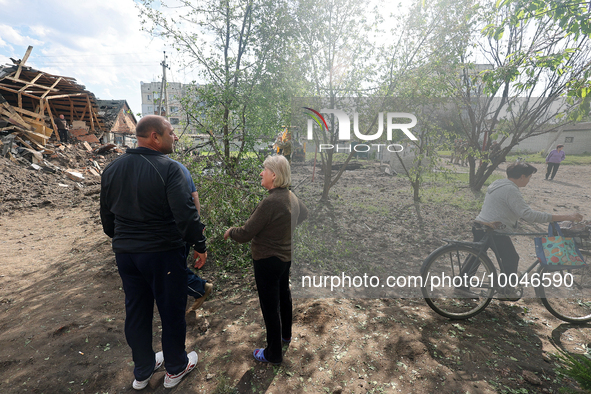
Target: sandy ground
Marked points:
62	316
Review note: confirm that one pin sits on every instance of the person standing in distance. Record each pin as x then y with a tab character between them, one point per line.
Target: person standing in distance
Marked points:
553	161
146	209
62	128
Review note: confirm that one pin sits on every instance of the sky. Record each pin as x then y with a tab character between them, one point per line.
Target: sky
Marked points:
99	43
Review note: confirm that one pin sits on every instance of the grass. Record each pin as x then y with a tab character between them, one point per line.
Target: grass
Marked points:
452	189
456	177
452	195
537	158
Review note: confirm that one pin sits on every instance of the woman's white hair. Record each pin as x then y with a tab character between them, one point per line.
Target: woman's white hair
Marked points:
279	166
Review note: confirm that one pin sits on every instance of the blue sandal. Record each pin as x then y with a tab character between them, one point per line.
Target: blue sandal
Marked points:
259	355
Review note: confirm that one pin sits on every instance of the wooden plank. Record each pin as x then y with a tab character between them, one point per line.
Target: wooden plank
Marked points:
37	134
53	86
57	135
56	82
23	142
7	110
23	61
16	92
33	121
91	112
84	113
30	113
58	104
65	95
20	100
12	127
32	84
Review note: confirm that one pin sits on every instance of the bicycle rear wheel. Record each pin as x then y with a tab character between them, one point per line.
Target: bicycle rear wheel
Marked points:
570	303
471	290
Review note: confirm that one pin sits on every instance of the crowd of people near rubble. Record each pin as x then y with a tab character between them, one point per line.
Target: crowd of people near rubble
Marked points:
150	209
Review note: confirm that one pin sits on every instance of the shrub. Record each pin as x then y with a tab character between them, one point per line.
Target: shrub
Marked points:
226	201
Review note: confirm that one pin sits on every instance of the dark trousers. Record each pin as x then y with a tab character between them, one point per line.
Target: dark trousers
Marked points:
272	279
552	167
505	248
195	285
162	277
63	135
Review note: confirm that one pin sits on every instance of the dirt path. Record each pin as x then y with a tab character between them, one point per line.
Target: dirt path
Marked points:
61	320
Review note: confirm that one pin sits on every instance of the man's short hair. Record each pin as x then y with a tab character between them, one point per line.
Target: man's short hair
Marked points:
280	167
516	170
148	123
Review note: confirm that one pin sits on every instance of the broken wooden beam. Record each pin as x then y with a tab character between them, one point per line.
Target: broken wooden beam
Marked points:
23	61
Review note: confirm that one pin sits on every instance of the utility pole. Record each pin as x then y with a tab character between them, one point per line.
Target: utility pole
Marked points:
163	88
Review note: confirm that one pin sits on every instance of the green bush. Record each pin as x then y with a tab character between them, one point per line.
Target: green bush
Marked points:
227	200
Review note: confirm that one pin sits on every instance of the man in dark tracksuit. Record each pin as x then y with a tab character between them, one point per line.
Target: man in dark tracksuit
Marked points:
146	208
62	128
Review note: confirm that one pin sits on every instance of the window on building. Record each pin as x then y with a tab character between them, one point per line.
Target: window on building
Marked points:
149	97
569	139
150	108
174	121
174	109
156	96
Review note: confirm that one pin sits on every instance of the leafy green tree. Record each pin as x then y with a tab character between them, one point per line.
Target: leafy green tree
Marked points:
571	15
516	91
417	72
335	56
238	48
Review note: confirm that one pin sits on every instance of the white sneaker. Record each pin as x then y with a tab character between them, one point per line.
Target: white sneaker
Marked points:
141	384
172	380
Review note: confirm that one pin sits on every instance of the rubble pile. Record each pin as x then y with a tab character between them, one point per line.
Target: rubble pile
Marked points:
61	175
33	103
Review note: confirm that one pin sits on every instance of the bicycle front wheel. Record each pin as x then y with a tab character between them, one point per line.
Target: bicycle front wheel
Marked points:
567	293
458	281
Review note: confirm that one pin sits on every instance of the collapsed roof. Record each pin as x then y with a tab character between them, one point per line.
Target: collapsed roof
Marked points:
30	99
109	111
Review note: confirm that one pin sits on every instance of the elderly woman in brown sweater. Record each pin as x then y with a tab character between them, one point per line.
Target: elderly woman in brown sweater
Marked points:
270	228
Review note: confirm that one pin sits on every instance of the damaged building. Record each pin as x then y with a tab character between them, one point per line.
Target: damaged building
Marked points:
119	122
30	102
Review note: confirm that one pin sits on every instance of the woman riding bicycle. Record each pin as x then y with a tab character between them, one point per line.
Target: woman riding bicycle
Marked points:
504	203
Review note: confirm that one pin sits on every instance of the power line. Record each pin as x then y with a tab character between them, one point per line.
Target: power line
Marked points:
98	65
95	54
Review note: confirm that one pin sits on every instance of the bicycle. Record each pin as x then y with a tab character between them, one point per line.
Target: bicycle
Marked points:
566	293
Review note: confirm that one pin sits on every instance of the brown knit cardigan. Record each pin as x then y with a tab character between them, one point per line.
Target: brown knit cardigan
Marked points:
271	225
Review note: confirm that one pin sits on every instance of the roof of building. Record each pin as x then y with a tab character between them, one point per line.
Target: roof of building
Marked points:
110	109
580	126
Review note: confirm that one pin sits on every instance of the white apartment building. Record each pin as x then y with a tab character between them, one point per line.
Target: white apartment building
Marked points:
151	101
